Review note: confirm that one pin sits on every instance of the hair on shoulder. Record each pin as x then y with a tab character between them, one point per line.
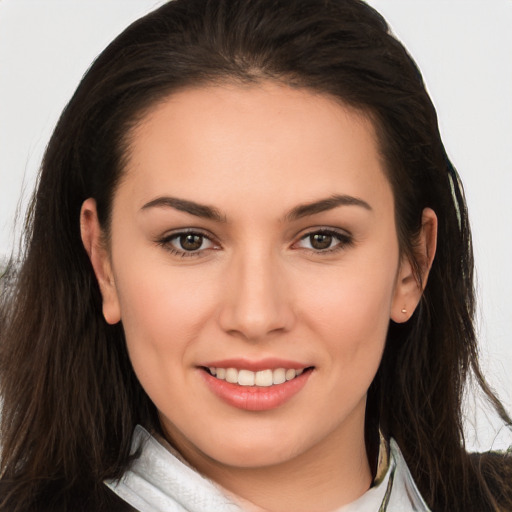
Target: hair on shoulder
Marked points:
70	397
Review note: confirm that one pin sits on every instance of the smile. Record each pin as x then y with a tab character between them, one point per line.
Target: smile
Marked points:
262	378
267	385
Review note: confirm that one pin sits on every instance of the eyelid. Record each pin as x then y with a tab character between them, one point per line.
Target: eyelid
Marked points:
166	239
344	237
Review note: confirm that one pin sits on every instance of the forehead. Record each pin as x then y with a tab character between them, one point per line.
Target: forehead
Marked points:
254	141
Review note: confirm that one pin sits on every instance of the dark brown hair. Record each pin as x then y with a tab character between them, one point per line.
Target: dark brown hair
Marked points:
70	396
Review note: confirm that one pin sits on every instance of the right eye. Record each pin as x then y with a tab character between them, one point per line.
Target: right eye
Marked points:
324	241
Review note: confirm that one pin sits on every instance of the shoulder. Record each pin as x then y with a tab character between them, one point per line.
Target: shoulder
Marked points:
495	470
51	500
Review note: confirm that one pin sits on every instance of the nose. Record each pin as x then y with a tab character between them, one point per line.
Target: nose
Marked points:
256	300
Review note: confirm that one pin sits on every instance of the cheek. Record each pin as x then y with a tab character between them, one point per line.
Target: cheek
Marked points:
154	296
350	310
354	329
162	312
351	300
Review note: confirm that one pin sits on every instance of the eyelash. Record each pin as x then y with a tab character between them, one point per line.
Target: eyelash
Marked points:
344	240
166	242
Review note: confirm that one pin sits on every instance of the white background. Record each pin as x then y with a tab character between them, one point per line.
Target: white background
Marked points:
463	47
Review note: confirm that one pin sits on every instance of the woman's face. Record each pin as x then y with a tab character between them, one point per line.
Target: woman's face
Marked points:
253	233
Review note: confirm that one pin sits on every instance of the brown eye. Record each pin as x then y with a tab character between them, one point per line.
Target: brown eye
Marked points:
325	241
320	241
191	242
188	243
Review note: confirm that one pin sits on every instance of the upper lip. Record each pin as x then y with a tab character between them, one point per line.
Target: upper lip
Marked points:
256	365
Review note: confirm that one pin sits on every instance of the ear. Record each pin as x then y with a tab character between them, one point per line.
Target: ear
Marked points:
409	286
100	259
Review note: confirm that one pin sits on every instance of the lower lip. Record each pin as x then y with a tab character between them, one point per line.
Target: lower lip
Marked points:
256	398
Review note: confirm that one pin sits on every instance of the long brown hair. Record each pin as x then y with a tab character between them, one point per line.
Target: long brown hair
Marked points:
70	396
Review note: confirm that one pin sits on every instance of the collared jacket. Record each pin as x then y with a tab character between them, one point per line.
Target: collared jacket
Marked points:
161	481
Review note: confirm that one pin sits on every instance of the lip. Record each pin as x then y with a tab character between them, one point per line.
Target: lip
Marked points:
255	398
255	366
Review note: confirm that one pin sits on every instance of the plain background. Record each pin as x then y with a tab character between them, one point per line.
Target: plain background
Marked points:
463	47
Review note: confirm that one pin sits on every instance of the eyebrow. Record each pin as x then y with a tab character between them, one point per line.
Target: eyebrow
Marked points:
298	212
191	207
326	204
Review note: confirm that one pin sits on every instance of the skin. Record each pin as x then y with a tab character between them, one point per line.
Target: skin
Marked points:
257	287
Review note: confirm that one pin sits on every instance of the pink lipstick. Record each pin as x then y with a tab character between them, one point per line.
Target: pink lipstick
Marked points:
255	385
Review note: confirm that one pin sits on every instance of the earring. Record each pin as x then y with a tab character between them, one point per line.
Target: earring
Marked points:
404	311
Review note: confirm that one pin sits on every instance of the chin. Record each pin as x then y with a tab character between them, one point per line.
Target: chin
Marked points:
260	449
255	456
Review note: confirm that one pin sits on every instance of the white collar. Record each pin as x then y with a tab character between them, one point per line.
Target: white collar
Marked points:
159	480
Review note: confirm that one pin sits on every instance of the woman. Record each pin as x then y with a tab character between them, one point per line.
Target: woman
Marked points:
257	269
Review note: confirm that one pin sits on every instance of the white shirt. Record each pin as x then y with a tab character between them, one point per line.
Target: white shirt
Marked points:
161	481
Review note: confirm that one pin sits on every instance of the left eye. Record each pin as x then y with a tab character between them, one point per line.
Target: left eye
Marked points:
189	242
323	241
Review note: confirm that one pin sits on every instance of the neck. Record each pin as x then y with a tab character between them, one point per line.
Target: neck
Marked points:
321	479
303	484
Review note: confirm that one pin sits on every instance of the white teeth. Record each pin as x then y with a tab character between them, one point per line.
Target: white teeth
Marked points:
263	378
246	378
279	376
232	375
290	374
